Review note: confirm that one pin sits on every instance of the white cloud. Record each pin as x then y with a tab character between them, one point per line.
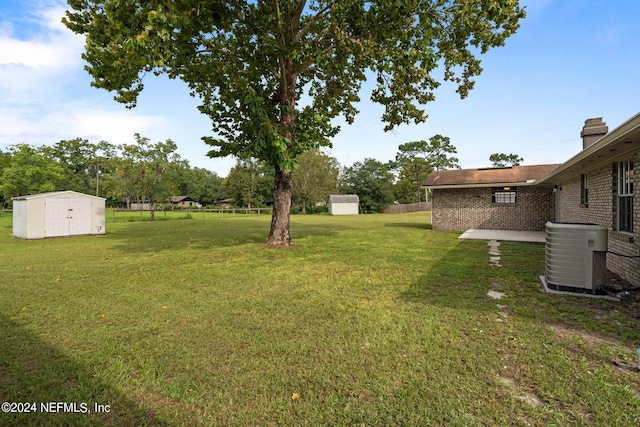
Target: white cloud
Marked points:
37	60
51	45
19	125
117	127
45	94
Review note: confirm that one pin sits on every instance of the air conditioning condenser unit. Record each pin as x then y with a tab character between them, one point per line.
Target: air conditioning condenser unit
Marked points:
575	256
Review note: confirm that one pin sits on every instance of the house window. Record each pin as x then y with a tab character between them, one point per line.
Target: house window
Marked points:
625	196
584	190
504	195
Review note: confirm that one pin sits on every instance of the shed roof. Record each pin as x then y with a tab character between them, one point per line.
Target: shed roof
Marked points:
178	199
488	177
344	198
55	193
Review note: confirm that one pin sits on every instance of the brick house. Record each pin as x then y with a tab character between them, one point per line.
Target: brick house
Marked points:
596	186
599	186
504	198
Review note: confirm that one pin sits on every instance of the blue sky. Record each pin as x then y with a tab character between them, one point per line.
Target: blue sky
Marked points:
570	60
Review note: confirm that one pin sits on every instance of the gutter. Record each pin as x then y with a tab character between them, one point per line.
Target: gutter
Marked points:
619	134
528	183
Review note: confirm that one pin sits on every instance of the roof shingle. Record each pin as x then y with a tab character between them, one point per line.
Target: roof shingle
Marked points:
488	176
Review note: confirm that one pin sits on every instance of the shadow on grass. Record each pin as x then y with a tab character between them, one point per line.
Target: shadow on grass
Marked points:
417	225
457	277
158	236
31	371
523	263
460	277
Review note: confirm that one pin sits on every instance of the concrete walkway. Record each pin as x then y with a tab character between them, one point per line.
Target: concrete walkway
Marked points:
494	237
504	235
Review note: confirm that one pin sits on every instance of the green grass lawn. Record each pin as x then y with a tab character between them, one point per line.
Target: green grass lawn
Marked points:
370	320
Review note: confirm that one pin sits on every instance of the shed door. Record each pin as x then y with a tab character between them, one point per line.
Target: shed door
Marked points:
79	216
56	217
66	217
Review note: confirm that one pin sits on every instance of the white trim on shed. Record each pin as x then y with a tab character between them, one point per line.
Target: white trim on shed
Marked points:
344	204
60	213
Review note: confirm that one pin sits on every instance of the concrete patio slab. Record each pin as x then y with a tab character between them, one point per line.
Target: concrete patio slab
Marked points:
504	235
543	280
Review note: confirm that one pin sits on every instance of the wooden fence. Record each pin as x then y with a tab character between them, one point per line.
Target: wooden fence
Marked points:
409	207
162	213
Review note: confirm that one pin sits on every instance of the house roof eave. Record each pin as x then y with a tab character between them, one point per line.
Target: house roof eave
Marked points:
615	145
529	183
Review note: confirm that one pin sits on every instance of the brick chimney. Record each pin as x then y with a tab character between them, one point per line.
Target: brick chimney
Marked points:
593	130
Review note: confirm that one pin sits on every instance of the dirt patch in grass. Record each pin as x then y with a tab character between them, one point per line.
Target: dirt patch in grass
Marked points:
629	305
579	340
598	348
523	394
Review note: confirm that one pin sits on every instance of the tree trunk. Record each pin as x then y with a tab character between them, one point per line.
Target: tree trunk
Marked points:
280	235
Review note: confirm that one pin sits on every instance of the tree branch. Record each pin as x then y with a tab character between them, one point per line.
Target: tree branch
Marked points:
321	14
307	65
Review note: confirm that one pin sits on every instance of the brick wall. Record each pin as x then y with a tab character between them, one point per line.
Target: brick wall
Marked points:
602	210
600	206
461	209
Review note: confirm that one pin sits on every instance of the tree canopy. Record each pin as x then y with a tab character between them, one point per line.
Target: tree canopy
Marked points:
316	177
502	159
272	74
372	181
30	170
147	170
413	164
248	183
439	151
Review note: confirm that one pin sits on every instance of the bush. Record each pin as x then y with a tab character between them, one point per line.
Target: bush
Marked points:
310	210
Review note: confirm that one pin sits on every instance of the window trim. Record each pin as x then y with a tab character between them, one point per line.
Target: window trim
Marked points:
584	190
504	195
624	182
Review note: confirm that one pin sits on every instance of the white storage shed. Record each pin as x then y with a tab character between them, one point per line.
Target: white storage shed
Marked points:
344	204
62	213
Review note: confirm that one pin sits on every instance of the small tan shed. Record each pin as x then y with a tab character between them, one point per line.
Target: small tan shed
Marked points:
62	213
344	204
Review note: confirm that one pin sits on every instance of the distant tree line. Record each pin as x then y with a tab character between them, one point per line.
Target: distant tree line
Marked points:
144	171
154	172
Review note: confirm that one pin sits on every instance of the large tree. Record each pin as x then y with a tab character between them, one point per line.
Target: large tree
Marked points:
413	164
315	178
501	160
203	185
146	172
372	181
271	74
439	151
31	170
84	162
248	183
